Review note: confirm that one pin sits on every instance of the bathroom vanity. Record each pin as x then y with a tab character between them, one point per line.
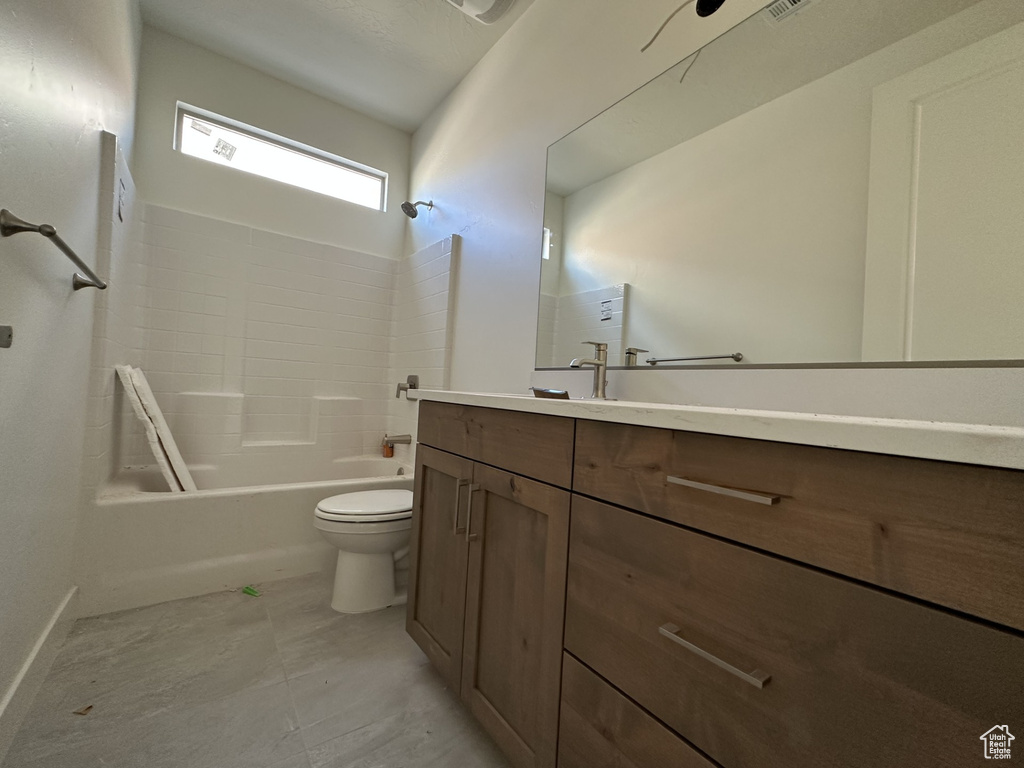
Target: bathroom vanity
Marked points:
604	591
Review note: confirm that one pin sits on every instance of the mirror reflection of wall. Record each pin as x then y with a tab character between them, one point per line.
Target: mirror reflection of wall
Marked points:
567	319
840	186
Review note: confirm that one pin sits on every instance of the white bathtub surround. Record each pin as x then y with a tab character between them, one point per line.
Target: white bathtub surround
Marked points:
421	329
119	317
143	548
278	320
271	359
257	343
600	315
997	446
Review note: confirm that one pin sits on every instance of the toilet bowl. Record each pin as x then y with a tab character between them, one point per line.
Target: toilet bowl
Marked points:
369	528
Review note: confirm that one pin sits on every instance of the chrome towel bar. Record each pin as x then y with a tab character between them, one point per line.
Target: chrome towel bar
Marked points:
12	225
737	356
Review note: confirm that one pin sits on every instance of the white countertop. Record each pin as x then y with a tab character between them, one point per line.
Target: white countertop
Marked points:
965	443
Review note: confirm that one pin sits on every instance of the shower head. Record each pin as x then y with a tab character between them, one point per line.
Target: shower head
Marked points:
409	209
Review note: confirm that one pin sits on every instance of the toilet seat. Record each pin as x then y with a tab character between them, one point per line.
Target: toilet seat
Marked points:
366	507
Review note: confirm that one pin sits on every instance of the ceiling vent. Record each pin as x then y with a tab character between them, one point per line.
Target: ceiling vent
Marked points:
781	10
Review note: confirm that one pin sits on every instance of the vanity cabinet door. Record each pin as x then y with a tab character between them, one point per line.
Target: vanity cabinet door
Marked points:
518	549
438	552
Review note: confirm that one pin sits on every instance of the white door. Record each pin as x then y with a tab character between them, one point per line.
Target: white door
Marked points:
945	257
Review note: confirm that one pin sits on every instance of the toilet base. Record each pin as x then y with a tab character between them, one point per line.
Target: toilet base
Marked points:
364	583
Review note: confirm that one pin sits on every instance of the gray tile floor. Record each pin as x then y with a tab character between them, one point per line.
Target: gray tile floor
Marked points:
227	680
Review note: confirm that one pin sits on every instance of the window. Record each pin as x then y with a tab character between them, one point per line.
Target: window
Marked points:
226	142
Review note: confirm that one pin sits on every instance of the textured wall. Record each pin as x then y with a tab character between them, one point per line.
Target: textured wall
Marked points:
173	70
69	71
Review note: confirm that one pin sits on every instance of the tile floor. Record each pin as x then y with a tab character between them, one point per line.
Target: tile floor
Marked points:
231	681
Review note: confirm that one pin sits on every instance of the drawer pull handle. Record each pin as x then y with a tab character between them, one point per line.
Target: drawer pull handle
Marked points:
458	499
757	498
757	678
469	514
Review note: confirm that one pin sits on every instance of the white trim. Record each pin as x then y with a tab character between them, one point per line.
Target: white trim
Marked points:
23	689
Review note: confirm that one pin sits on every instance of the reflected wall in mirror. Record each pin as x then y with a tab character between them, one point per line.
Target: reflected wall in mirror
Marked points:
843	185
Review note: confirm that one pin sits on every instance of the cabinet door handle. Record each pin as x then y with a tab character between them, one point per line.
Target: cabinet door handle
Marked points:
757	678
469	514
458	499
757	498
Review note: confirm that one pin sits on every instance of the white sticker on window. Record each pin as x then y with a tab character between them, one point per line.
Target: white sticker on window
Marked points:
225	150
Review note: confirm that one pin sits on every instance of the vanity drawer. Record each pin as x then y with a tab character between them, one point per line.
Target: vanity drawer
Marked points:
948	533
761	662
528	444
601	728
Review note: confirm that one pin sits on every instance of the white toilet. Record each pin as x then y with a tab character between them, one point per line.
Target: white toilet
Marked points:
371	530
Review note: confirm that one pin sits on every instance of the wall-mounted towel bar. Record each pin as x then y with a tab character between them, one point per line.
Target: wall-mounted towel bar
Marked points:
12	225
737	356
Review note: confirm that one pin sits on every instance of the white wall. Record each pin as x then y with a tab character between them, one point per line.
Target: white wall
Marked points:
481	157
69	71
173	70
777	272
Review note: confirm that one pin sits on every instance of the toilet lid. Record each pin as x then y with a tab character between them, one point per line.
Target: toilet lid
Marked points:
366	506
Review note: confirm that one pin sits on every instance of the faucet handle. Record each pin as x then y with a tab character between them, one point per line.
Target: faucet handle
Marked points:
599	346
636	351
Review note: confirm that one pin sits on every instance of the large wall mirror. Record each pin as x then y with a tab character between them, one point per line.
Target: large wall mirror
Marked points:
841	185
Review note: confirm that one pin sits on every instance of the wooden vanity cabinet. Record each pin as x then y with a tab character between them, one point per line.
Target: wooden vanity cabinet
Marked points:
758	661
609	596
601	728
489	553
951	534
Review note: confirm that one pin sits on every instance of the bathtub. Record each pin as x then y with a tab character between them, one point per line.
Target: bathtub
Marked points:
139	544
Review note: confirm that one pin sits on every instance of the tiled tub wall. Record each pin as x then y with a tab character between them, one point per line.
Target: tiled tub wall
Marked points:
421	329
119	313
567	321
257	342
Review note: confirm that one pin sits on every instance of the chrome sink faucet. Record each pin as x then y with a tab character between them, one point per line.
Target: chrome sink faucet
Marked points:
600	363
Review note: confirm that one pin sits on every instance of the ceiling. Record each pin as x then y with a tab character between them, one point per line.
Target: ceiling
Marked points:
394	60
